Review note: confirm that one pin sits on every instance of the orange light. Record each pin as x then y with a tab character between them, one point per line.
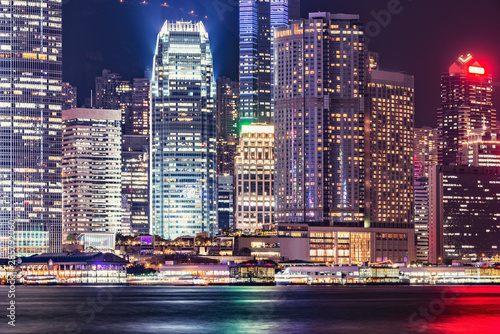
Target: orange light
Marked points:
476	70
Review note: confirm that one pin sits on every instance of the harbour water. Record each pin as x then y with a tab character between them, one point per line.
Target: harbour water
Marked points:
253	309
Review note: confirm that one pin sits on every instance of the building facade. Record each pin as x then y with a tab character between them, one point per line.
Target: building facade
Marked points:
227	124
426	149
30	126
466	105
464	215
254	175
389	123
482	148
257	19
69	95
319	117
183	133
135	183
91	162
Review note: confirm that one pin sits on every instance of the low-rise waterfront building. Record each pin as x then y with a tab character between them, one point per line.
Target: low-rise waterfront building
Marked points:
73	268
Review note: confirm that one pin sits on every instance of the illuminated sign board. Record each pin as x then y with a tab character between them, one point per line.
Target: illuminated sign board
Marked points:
476	70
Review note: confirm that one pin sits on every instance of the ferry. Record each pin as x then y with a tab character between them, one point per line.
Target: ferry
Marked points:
190	280
40	280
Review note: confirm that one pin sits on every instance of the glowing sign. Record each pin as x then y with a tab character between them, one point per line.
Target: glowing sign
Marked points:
476	70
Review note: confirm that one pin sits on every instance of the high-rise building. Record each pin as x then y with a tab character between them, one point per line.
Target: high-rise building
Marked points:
464	216
227	133
426	149
254	175
466	105
482	148
183	133
141	97
91	163
389	123
68	96
421	189
258	18
30	126
135	183
227	124
319	118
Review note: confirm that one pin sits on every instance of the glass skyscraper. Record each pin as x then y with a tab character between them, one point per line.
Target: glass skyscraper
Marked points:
183	133
258	18
30	125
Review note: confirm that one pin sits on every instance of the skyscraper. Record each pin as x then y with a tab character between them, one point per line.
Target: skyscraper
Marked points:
466	105
30	126
135	182
141	97
254	175
319	118
227	124
464	213
482	148
183	132
389	141
227	132
426	149
91	171
258	18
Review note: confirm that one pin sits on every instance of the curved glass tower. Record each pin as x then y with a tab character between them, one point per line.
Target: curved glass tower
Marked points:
183	133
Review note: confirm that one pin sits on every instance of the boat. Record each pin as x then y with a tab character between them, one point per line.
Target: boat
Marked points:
190	280
40	280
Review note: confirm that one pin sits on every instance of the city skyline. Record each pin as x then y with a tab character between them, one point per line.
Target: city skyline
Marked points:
410	54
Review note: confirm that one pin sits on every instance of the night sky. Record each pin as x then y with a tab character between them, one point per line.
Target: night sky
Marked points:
423	40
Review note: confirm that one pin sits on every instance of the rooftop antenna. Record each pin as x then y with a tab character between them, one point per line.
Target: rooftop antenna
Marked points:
91	99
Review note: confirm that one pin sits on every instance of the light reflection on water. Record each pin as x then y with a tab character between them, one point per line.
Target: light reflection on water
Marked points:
297	309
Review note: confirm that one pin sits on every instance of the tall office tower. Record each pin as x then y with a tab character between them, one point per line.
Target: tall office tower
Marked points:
319	117
466	105
141	97
227	124
91	163
254	175
258	18
227	132
426	149
464	216
183	133
421	189
68	96
389	123
482	148
135	182
114	93
30	126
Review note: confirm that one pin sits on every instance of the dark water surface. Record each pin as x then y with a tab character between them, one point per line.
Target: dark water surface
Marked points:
292	309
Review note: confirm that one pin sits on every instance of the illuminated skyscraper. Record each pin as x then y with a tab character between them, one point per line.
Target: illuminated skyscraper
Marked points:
257	20
389	141
135	182
426	149
183	133
91	171
254	174
227	131
464	216
466	105
319	118
227	124
30	125
141	98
